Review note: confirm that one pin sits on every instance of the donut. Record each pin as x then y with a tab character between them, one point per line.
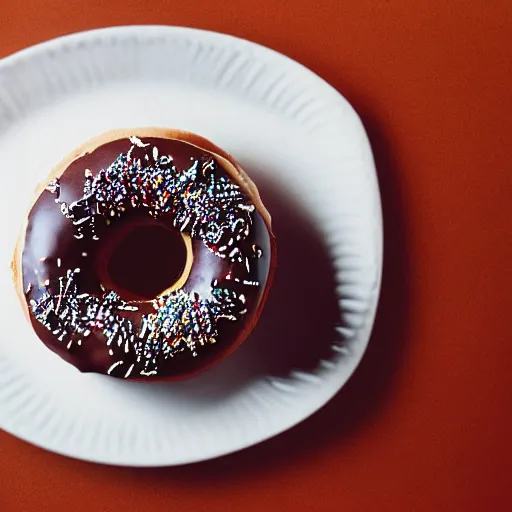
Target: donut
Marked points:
147	254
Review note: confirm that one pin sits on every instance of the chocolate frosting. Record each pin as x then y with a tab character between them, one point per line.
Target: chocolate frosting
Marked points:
137	256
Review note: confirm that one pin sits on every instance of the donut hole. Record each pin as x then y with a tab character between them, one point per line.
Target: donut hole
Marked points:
143	260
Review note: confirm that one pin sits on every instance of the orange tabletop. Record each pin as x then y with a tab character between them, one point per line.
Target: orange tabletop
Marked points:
425	424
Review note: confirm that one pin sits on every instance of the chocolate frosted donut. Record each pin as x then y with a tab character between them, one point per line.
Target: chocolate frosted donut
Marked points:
147	254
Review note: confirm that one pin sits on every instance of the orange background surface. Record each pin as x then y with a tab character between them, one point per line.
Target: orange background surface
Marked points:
425	424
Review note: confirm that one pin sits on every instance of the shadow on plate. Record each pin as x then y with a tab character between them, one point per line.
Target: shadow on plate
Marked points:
370	388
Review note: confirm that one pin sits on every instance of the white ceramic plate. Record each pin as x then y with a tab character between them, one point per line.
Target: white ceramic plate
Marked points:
306	149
